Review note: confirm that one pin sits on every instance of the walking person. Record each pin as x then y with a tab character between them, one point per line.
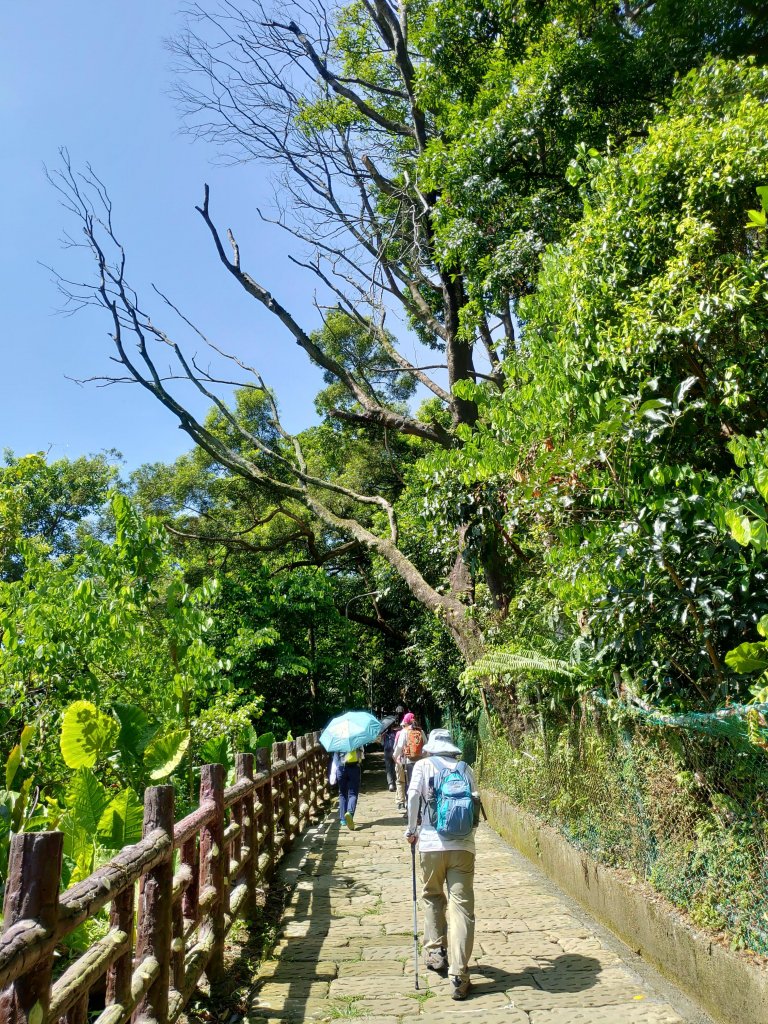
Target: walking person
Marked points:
388	742
442	788
401	782
345	770
408	748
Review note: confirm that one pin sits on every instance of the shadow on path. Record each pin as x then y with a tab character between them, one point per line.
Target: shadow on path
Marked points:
344	948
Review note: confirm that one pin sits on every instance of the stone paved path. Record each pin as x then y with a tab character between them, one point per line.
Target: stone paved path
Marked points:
346	950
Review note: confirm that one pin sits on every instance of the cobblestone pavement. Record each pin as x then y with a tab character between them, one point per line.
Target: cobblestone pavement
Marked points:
345	949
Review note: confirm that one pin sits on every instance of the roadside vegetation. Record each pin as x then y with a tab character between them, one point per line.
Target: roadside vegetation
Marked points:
539	480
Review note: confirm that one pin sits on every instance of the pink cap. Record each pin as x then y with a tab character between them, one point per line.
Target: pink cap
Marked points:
408	718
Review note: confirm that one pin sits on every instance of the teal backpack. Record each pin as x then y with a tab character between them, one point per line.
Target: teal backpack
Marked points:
451	805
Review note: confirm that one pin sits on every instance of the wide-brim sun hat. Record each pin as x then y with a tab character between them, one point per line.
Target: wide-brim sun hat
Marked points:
440	742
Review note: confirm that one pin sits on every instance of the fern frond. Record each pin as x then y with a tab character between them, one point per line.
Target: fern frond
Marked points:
498	663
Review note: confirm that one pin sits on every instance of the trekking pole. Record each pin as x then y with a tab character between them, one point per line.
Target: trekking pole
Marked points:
415	920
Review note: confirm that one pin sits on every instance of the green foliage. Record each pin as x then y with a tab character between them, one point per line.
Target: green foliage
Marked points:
152	753
501	663
19	801
48	504
518	88
121	823
96	624
87	735
164	752
605	468
96	822
366	351
759	218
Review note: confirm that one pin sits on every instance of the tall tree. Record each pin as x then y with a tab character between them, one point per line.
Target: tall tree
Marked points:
354	109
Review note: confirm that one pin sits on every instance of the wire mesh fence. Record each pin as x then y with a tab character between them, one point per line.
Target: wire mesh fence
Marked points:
680	801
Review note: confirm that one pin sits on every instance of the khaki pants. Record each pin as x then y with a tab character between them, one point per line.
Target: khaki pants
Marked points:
454	931
400	782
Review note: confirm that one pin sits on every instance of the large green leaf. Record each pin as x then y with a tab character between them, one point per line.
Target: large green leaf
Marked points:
121	822
761	481
216	751
165	752
758	534
748	658
20	807
87	735
86	800
266	739
135	730
26	738
739	526
12	766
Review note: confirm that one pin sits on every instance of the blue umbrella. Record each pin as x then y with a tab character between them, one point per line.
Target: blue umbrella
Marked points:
349	731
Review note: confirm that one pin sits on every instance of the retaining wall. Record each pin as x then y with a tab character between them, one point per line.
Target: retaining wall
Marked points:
725	983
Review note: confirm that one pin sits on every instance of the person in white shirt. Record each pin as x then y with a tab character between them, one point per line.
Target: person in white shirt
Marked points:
402	755
449	922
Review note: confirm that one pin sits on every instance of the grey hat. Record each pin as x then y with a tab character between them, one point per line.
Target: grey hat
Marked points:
440	742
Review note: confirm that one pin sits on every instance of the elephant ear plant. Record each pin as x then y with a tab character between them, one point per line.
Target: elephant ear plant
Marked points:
99	819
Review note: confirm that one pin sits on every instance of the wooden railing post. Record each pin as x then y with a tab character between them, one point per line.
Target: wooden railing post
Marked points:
32	893
309	769
190	857
323	792
212	864
264	759
300	783
119	974
280	790
293	790
250	834
153	934
307	781
315	794
323	767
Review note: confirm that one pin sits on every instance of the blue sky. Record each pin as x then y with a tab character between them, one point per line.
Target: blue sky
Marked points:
95	77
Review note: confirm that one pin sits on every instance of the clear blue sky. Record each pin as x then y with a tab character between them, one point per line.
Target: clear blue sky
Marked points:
93	75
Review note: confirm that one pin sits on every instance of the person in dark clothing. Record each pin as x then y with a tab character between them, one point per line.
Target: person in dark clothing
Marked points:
388	742
345	770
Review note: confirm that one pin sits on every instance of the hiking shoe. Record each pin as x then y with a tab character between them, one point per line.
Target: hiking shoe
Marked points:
391	789
436	960
350	821
460	987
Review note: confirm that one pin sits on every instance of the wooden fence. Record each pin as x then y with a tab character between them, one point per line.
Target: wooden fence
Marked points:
195	878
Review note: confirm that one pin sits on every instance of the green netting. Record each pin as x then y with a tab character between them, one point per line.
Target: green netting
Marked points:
681	801
738	723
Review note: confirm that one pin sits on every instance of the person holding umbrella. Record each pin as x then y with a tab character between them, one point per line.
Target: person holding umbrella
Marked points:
345	737
346	769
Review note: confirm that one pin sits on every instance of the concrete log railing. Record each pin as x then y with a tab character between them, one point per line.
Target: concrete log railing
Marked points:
172	897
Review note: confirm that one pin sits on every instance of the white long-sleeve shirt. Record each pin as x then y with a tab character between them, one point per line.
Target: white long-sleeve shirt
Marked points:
429	839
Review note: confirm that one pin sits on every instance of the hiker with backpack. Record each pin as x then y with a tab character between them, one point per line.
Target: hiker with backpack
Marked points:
443	791
408	750
388	742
